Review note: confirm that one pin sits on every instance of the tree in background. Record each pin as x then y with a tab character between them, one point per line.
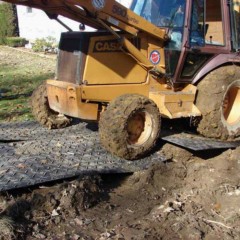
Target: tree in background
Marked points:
8	21
15	21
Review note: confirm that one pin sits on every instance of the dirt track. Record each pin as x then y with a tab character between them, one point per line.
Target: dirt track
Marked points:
189	196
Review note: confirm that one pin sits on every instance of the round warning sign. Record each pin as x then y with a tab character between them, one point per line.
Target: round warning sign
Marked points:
98	4
155	57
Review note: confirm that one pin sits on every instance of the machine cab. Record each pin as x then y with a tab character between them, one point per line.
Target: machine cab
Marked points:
199	31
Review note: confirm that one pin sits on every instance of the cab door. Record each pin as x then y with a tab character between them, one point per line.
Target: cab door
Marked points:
205	38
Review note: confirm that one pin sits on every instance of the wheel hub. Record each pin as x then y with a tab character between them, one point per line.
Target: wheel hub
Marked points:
231	104
139	128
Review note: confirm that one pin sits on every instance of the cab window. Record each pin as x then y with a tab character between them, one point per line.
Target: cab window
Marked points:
206	23
235	24
214	22
162	13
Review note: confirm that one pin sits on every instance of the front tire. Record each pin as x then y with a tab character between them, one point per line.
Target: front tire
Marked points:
218	100
43	113
130	126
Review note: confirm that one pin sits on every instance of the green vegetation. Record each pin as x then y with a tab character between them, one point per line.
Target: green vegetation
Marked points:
20	74
15	41
42	44
8	20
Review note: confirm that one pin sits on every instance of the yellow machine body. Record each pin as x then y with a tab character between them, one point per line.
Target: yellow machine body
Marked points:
113	64
109	73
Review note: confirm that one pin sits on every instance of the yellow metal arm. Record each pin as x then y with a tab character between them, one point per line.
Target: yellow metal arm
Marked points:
88	11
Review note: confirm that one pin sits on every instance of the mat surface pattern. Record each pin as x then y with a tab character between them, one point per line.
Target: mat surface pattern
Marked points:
31	154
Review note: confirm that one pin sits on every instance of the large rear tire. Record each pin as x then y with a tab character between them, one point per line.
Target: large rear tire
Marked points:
43	113
130	126
218	100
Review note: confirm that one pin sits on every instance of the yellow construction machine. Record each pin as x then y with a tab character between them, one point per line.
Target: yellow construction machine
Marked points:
150	60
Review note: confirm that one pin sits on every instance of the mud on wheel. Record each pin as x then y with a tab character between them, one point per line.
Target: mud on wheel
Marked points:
42	112
130	126
219	102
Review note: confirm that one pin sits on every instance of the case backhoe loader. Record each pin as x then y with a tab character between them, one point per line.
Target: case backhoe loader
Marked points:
156	59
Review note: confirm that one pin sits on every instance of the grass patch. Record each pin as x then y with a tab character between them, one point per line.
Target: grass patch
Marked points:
20	74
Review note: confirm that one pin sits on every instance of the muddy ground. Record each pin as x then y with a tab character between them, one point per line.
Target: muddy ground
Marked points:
189	196
192	195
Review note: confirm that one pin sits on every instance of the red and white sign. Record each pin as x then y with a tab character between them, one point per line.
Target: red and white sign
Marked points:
155	57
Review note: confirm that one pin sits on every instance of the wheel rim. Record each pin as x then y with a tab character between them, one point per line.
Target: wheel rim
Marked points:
139	128
231	105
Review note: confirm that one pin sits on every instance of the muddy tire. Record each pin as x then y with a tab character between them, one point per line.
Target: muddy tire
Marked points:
42	112
218	100
130	126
